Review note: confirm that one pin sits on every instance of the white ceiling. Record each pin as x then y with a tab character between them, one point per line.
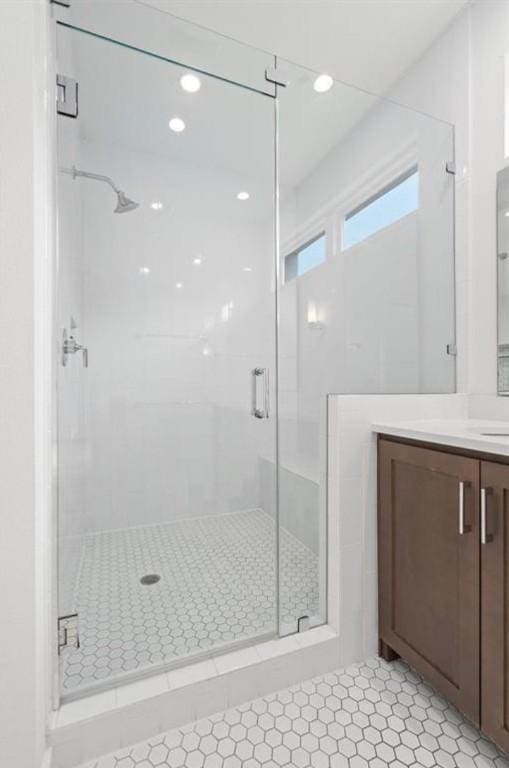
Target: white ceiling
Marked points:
230	130
368	43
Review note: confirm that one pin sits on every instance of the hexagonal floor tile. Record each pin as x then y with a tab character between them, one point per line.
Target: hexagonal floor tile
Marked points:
325	723
204	597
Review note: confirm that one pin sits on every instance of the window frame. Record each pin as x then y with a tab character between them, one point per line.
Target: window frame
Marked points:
321	234
329	218
382	191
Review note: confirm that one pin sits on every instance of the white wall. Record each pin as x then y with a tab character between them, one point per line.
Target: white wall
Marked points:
25	273
70	384
474	100
489	44
335	37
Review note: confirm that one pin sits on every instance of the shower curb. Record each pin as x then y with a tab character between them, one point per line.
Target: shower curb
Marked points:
102	726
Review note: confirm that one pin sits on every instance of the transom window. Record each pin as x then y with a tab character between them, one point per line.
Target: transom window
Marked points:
392	203
306	257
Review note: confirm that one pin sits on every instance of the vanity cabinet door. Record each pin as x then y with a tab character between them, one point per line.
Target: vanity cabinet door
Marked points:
429	566
495	602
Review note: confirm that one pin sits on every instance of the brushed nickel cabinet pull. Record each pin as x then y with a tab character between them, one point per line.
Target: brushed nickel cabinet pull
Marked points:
485	536
462	527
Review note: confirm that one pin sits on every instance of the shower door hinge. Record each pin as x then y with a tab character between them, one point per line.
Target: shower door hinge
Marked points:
450	167
452	350
67	96
303	623
276	76
68	634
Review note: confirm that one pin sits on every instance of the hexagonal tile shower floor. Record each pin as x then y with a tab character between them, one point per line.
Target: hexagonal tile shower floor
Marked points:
370	715
216	586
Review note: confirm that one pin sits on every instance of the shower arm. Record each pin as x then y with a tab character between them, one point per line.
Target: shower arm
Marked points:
75	172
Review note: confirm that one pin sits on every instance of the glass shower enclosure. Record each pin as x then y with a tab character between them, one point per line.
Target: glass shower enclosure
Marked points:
210	297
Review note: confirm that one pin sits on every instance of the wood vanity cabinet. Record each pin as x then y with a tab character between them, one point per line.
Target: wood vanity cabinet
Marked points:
495	602
443	538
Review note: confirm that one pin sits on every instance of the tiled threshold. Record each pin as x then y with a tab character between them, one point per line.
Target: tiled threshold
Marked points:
88	728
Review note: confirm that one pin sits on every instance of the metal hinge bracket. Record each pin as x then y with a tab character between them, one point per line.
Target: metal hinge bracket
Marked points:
273	75
450	167
452	350
303	623
67	96
68	634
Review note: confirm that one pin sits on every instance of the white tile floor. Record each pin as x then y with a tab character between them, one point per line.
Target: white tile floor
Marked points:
217	586
370	715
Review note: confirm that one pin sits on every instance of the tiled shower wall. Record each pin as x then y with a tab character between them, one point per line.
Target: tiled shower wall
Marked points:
299	501
167	428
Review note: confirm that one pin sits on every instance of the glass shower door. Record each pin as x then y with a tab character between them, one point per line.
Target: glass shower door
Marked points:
166	377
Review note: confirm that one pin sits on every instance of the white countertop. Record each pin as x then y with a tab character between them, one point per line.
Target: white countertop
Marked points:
458	433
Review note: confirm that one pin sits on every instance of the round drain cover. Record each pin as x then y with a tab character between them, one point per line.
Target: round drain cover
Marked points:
150	578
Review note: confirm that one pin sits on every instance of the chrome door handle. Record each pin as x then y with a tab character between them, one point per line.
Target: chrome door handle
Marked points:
461	508
485	536
260	413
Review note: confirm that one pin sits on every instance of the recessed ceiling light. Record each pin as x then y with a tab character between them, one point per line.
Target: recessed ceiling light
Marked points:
177	124
144	270
247	269
156	205
323	83
197	261
190	83
243	196
178	285
506	214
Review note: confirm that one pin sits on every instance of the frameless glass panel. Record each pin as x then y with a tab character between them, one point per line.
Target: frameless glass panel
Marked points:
156	31
166	376
376	316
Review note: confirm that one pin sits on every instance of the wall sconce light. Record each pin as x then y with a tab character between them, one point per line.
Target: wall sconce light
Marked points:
227	311
314	317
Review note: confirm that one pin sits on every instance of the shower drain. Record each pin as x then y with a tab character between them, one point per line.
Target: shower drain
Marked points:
150	578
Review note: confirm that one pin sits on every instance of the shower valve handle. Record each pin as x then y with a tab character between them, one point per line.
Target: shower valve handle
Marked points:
70	346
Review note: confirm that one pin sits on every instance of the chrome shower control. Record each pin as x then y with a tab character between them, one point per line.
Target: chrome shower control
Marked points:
70	346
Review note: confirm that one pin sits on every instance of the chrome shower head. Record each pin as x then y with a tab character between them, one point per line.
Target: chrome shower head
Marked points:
124	204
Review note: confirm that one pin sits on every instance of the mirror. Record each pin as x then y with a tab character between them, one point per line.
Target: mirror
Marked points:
503	280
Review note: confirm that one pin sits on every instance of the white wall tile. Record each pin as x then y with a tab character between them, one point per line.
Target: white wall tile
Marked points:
229	662
192	673
85	708
275	648
141	689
